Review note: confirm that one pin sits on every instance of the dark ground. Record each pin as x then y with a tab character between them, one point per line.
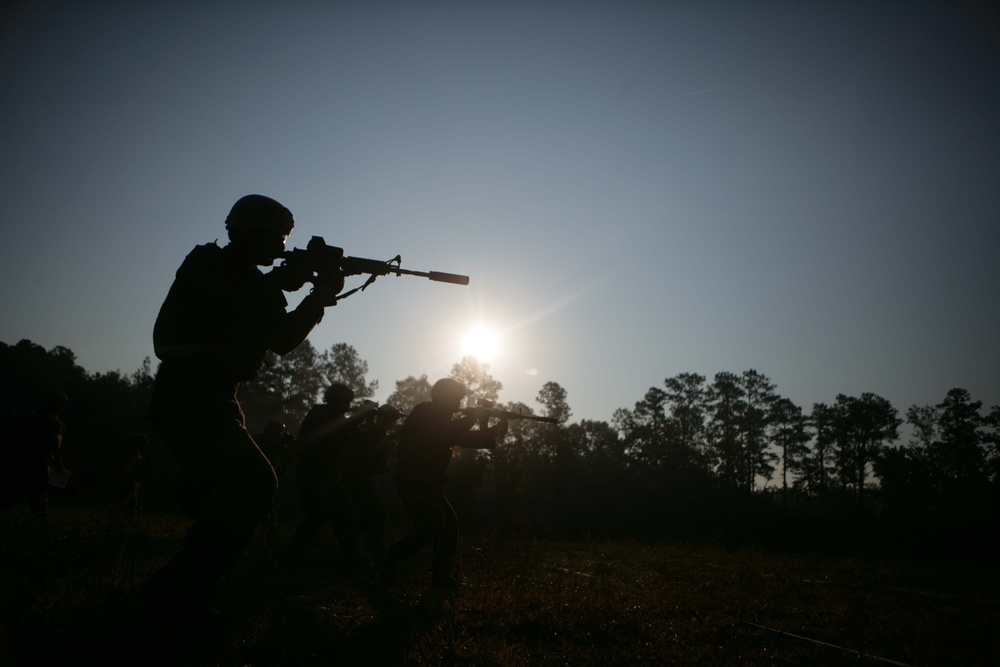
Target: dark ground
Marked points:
67	585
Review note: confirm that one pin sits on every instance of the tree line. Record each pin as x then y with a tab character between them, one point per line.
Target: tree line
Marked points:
727	459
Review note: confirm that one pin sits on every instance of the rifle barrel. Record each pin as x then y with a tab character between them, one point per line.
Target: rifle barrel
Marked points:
507	414
378	267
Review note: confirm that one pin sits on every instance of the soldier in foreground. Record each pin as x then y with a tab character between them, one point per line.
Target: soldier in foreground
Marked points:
220	318
425	448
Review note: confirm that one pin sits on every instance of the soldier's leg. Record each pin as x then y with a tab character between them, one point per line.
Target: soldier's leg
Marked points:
313	501
445	543
371	507
235	485
341	514
418	499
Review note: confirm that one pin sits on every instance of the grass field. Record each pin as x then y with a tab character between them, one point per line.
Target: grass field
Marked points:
67	584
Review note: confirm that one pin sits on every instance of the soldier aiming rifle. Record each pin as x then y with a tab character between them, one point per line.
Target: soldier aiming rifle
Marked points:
339	452
220	318
426	443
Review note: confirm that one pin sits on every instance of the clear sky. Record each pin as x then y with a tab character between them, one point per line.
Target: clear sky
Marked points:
637	189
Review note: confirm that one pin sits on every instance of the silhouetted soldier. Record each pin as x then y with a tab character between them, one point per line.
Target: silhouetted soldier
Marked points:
218	321
34	449
425	449
322	492
273	441
127	502
366	455
124	509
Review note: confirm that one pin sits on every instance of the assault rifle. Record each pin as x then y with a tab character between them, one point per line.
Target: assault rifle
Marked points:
328	265
487	410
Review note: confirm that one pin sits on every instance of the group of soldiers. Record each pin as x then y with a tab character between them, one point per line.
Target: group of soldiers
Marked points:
220	318
338	454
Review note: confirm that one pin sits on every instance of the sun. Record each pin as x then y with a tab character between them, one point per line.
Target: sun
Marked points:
482	343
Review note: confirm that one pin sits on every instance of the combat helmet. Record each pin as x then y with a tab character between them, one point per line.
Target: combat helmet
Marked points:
259	212
446	388
338	391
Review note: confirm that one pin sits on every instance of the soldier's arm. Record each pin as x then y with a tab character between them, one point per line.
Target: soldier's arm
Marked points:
295	326
298	323
460	435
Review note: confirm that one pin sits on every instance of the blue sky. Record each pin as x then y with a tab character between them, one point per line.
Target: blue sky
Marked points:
636	189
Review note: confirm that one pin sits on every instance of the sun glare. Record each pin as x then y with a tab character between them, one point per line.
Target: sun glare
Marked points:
482	343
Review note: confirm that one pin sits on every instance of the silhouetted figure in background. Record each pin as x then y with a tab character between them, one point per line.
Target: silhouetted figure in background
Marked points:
126	505
34	449
322	492
218	321
273	441
124	511
425	448
366	455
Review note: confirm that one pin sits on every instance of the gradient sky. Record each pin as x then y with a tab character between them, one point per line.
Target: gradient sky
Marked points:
636	189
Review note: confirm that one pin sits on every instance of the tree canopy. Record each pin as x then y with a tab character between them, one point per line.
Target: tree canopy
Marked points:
689	457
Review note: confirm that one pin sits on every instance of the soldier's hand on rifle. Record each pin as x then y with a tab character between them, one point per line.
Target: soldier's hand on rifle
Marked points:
289	277
323	296
326	288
